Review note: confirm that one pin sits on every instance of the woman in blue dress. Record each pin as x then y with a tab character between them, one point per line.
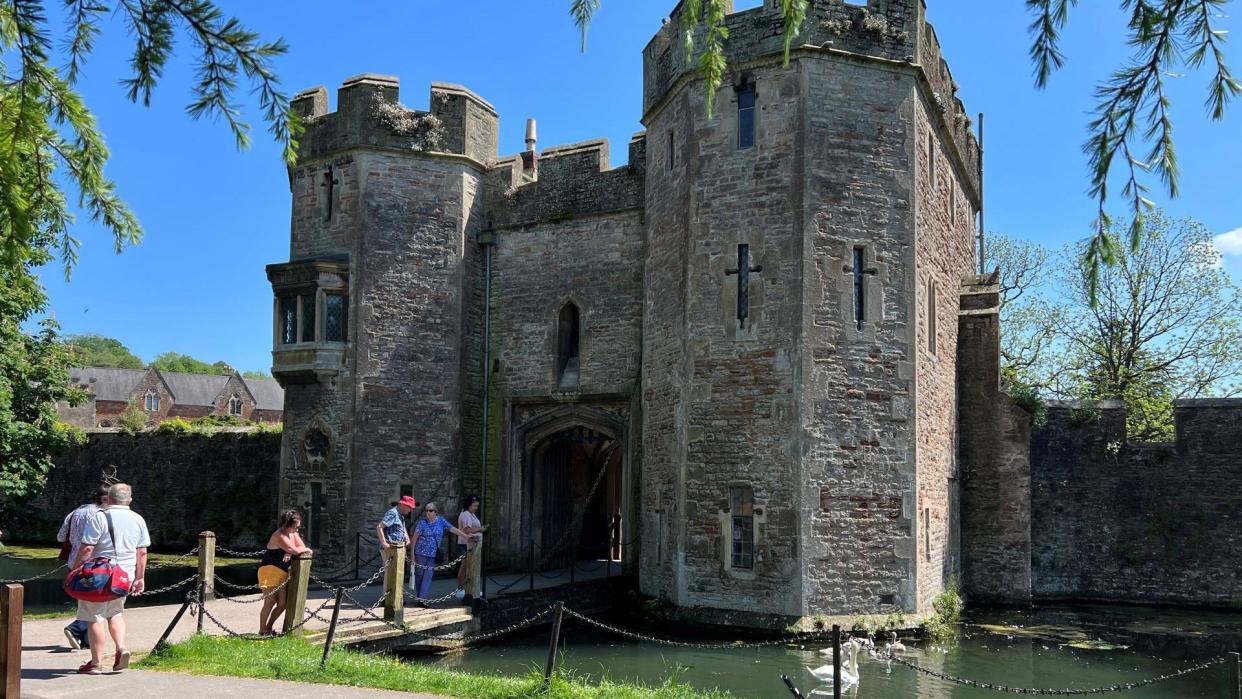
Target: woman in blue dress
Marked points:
427	536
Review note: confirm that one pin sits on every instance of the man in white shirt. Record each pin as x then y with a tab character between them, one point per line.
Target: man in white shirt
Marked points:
126	545
71	533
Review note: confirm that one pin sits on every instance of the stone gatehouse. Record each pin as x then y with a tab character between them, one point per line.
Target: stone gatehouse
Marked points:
731	364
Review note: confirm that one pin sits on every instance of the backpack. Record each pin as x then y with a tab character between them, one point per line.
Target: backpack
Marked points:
98	580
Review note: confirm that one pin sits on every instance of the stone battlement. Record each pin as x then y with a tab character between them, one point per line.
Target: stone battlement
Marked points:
1211	424
568	181
369	113
890	31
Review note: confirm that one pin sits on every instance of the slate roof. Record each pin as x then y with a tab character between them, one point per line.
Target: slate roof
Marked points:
268	395
187	389
107	384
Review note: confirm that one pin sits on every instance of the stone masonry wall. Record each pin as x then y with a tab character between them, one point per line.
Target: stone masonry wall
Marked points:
1114	520
183	484
995	458
944	250
858	401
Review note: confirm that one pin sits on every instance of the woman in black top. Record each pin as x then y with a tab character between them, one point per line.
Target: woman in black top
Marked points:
282	546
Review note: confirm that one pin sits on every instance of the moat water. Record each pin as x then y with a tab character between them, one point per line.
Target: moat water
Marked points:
1080	647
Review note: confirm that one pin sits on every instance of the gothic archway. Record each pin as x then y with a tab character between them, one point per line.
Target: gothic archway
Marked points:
567	485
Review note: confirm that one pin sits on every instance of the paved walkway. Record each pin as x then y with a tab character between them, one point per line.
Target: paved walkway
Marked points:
49	666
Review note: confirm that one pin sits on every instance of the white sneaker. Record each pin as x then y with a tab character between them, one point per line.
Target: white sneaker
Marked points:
73	640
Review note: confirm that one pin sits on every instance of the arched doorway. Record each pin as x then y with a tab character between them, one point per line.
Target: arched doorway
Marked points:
575	498
566	486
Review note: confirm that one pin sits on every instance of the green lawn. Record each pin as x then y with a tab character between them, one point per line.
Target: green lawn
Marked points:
298	661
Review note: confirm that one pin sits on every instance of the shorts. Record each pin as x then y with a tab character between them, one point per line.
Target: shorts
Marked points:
96	612
271	577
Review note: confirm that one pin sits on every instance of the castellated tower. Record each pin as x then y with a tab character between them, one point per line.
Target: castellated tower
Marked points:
728	366
370	308
799	433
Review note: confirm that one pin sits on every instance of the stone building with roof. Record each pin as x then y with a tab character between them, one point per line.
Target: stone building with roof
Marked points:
169	394
733	364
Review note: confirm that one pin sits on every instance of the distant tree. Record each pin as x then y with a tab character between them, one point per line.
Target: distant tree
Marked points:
1133	108
33	377
1166	324
184	363
91	349
253	374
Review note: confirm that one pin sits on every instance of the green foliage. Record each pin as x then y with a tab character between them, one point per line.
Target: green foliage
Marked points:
863	626
296	660
97	350
895	621
50	140
948	611
184	363
254	374
1133	109
175	426
133	420
33	377
220	420
262	428
1028	398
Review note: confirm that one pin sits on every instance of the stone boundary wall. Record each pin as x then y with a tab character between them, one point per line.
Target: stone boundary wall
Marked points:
183	484
1138	522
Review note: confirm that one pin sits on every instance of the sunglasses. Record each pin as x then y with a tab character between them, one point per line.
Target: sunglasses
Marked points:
431	509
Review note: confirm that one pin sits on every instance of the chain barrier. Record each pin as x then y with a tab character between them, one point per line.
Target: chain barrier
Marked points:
198	607
365	583
800	638
35	577
260	598
240	554
174	562
442	566
167	588
368	614
1121	687
409	594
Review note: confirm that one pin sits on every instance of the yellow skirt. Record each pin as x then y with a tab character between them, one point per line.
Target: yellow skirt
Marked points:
271	577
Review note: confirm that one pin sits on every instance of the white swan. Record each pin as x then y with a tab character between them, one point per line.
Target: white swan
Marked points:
849	668
894	644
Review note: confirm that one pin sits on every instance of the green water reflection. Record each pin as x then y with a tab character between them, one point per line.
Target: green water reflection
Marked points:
1035	648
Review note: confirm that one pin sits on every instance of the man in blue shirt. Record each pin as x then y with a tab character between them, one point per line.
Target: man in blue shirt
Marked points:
391	529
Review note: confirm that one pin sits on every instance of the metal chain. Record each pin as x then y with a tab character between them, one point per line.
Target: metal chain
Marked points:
240	554
260	598
310	614
365	583
35	577
1125	686
235	586
168	588
442	566
443	598
801	638
174	561
369	615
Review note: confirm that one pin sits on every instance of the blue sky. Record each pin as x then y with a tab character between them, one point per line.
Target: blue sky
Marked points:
214	216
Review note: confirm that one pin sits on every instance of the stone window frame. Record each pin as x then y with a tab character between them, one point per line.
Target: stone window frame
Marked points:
305	458
746	84
874	289
553	344
235	405
301	282
671	154
151	401
758	520
930	289
931	159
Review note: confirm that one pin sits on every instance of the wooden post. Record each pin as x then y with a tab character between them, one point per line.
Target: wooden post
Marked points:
299	581
836	661
394	579
173	624
790	686
12	600
1235	675
336	613
207	564
553	644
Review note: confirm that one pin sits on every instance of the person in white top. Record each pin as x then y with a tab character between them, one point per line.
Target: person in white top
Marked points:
469	524
125	543
71	533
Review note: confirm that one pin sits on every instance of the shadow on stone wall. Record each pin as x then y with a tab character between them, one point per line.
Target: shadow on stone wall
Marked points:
183	484
1138	522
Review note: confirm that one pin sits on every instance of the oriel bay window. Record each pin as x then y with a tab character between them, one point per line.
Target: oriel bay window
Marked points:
311	318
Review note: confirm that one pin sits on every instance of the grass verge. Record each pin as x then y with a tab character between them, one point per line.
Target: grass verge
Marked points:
298	661
61	613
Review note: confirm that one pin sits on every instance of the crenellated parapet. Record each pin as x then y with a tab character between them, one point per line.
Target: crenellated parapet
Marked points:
370	114
564	182
891	31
